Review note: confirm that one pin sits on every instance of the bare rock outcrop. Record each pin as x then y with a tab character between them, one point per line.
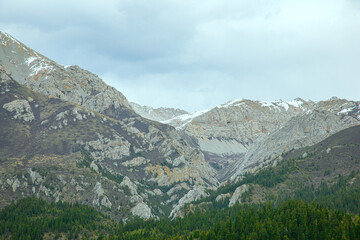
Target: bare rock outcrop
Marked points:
70	83
142	210
236	197
20	109
194	194
157	114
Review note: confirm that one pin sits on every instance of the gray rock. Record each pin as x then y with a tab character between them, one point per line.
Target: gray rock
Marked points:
236	197
114	148
68	83
15	184
36	178
302	130
99	191
94	167
222	196
135	162
157	114
106	202
128	183
142	210
193	195
20	109
158	192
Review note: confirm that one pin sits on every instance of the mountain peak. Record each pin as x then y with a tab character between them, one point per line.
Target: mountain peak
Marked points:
157	114
70	83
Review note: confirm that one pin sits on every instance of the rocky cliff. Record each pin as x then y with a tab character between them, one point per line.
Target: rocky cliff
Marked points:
66	135
157	114
242	134
69	83
84	142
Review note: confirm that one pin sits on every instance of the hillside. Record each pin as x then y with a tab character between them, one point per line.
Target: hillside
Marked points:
34	219
328	171
68	136
157	114
61	151
244	133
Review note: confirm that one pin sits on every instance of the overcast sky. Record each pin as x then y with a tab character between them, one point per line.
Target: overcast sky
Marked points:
198	54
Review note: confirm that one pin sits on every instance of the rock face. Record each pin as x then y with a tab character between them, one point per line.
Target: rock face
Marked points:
244	120
300	131
21	110
72	83
242	134
94	134
192	195
226	133
236	197
66	135
157	114
142	210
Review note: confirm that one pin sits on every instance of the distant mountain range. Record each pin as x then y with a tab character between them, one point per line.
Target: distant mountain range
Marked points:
66	135
243	134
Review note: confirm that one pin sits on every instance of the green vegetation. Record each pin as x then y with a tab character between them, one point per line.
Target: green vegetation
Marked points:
85	162
267	177
30	218
85	159
33	218
340	196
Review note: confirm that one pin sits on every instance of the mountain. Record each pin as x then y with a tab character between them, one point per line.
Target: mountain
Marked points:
32	218
157	114
302	130
69	83
328	171
242	134
66	135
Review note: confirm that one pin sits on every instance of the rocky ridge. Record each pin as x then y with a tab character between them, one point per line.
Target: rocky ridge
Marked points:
97	129
69	83
305	129
157	114
242	134
129	165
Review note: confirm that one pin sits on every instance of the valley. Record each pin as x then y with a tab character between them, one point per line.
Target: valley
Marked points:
70	142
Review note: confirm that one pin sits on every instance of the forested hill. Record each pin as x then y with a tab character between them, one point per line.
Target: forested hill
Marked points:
32	218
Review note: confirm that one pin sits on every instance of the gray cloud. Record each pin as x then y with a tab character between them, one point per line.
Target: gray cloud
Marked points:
196	55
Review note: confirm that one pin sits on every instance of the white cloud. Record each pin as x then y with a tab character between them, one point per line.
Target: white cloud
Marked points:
198	54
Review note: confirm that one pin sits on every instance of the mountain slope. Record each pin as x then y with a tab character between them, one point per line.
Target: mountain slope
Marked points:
328	171
94	128
157	114
35	219
244	133
300	131
70	83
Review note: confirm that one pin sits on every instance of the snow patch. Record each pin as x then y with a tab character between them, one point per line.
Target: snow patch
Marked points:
6	37
346	110
280	103
296	103
231	103
185	118
284	105
268	104
42	65
30	60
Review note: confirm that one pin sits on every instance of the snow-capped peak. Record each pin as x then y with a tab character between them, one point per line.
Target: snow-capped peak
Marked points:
235	102
296	103
185	118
